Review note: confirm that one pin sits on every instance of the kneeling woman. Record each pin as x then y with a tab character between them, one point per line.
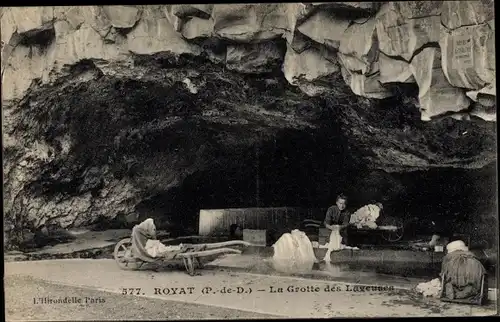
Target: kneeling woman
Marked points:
145	245
463	276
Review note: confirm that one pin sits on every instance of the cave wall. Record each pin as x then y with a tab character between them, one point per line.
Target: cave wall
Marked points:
445	47
115	111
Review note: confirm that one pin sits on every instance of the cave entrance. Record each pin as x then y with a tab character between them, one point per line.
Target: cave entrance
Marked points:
294	172
292	169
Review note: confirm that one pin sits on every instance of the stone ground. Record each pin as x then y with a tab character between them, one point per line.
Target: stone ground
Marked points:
103	278
116	306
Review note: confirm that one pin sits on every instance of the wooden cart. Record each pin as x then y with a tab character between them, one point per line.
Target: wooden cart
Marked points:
191	259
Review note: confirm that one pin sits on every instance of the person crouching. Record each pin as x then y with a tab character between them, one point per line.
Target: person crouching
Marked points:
463	277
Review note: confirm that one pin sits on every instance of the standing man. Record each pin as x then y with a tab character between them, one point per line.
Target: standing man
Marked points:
337	219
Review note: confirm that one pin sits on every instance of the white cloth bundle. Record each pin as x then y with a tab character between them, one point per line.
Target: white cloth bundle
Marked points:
366	216
430	289
335	239
155	248
293	253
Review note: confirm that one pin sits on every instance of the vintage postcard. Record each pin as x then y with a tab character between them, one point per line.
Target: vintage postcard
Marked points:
256	160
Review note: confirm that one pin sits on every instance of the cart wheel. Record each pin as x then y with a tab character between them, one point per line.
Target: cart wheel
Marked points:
189	264
394	236
121	249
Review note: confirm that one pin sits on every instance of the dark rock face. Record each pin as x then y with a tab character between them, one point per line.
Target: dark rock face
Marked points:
166	114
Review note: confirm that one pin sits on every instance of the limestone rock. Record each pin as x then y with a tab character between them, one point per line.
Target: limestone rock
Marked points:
486	113
310	66
365	85
29	62
437	96
92	16
324	28
249	22
313	30
9	26
296	14
155	34
485	96
394	70
456	14
122	16
31	19
418	9
400	36
90	83
84	43
359	46
7	49
254	58
469	54
192	10
197	28
298	42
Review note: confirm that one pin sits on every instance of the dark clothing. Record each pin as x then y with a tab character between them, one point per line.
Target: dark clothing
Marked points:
462	276
336	217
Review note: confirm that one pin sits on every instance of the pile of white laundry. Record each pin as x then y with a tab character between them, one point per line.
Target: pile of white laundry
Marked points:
430	289
155	248
293	253
366	216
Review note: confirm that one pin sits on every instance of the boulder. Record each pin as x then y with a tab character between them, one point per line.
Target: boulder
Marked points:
154	34
365	85
324	28
436	95
197	28
31	63
484	112
394	70
254	58
175	21
296	14
249	22
309	68
92	16
469	56
29	19
456	14
418	9
9	26
402	37
122	16
359	46
7	49
485	96
84	43
192	10
298	42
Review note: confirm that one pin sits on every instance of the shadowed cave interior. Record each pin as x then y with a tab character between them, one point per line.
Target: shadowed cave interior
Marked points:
294	173
242	141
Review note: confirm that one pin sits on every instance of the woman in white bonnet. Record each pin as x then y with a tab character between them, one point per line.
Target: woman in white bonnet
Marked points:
462	274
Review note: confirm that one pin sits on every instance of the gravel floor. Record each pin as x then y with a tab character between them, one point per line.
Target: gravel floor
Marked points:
20	307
